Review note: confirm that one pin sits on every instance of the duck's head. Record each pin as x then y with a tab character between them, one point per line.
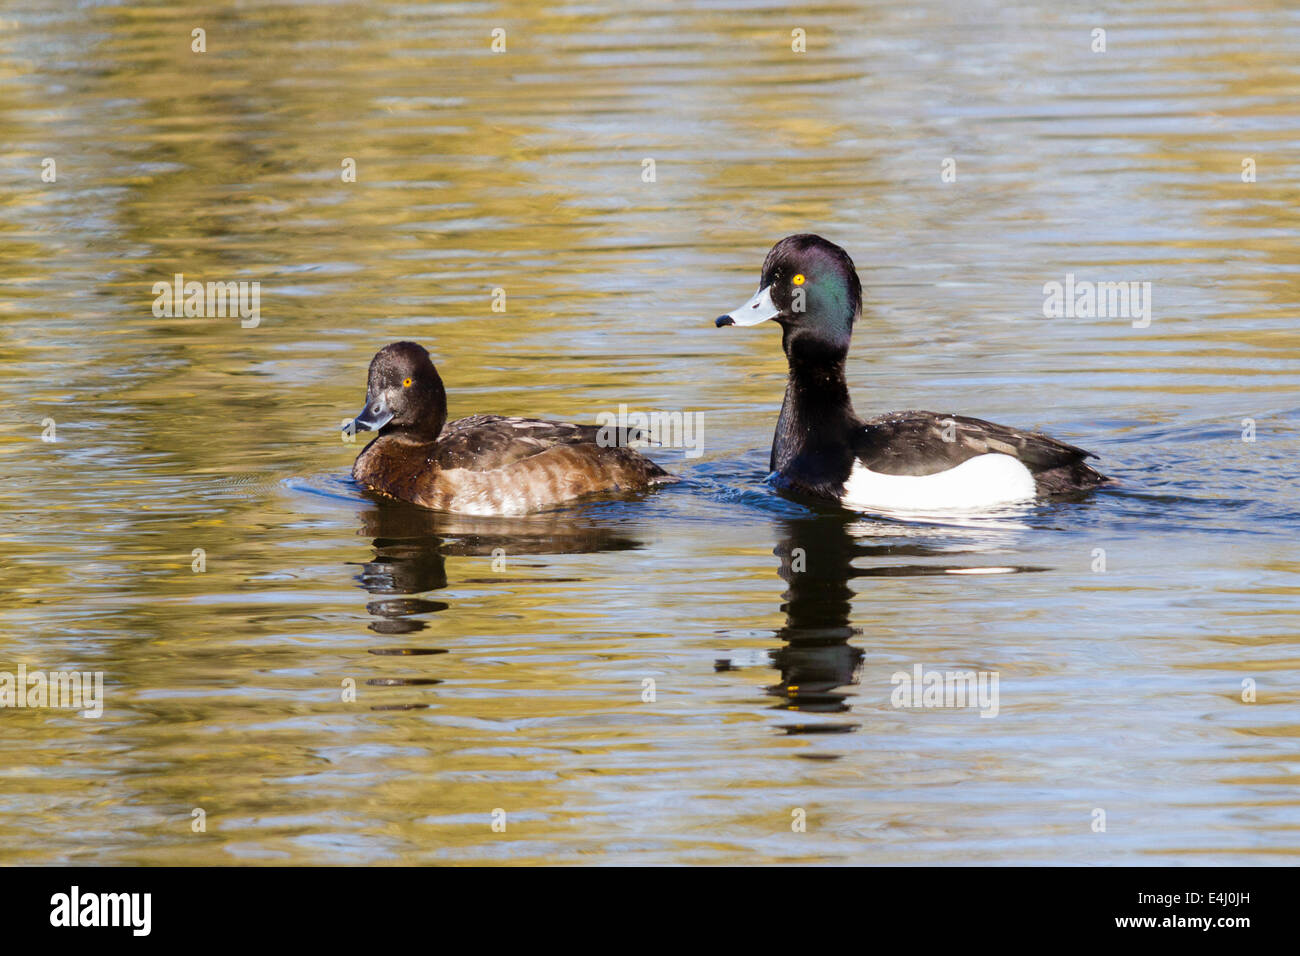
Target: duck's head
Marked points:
810	288
404	393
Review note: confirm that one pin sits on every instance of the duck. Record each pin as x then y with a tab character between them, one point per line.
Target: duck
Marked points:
904	461
484	464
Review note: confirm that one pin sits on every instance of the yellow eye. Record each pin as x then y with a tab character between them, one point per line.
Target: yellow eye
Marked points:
798	280
406	383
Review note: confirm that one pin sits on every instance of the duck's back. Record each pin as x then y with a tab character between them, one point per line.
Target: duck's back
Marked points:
489	442
921	443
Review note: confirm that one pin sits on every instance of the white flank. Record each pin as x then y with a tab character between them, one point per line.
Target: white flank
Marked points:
979	482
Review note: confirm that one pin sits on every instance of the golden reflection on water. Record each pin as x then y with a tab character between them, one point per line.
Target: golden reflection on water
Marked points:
520	685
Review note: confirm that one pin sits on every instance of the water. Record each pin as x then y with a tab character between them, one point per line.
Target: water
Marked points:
501	665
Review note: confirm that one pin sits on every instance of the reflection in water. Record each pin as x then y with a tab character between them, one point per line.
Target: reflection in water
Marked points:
411	546
817	660
817	663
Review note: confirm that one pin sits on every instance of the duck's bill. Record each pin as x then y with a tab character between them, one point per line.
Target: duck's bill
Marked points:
374	416
758	309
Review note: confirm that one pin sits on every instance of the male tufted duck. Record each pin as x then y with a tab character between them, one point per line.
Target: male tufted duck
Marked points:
484	464
903	461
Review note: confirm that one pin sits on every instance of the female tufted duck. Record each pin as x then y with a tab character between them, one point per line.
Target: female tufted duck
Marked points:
903	461
484	464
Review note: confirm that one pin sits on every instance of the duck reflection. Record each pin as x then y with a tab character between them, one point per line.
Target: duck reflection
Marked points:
411	547
819	667
816	662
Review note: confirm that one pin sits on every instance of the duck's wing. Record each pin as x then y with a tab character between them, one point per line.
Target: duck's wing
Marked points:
488	442
925	443
492	465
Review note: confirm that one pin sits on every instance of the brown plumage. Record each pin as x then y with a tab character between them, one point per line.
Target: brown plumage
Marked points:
484	464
